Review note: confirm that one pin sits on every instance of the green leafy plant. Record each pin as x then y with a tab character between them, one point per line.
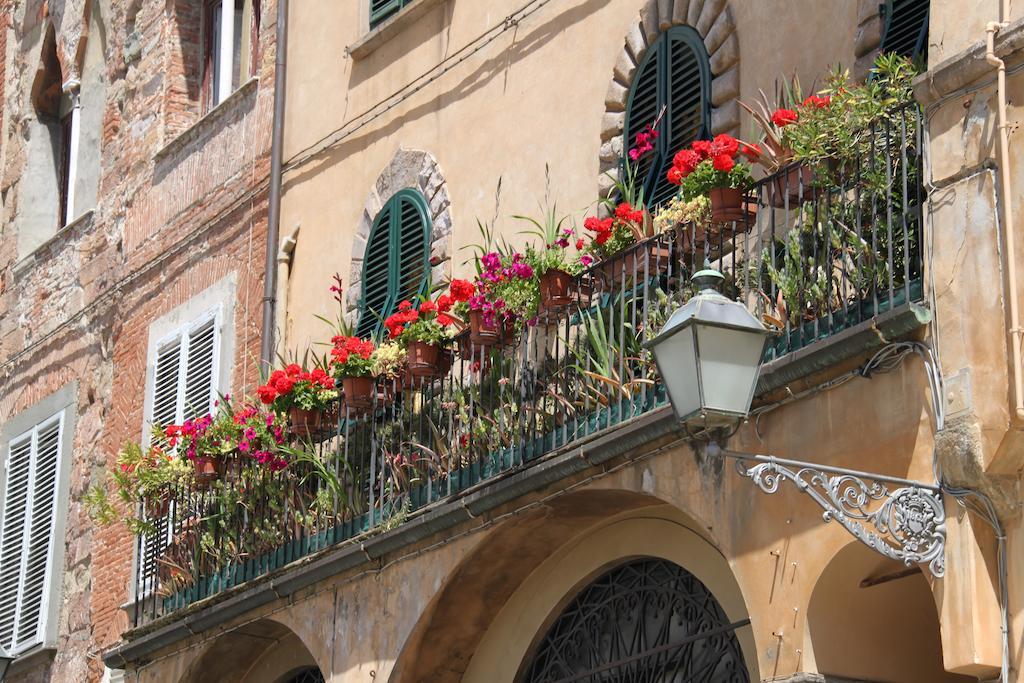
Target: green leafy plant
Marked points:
146	476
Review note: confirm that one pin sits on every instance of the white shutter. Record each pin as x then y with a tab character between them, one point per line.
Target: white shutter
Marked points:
12	535
27	542
184	387
200	376
166	381
39	539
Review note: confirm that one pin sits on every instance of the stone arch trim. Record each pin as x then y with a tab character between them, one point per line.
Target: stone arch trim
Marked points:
420	171
713	21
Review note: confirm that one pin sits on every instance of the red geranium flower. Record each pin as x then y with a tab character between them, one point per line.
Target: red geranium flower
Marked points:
444	303
724	144
444	319
292	370
461	290
675	176
723	162
579	244
702	147
784	117
405	305
686	160
284	385
428	307
817	102
267	394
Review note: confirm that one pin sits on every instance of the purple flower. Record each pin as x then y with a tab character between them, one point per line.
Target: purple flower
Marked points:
491	261
523	271
586	260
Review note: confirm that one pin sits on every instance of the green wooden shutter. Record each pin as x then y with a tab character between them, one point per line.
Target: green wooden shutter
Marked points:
906	29
676	75
382	9
396	265
412	248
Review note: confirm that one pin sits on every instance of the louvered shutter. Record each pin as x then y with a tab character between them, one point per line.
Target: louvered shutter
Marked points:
396	265
376	275
201	365
27	535
166	379
382	9
676	76
411	249
12	536
39	546
645	101
906	28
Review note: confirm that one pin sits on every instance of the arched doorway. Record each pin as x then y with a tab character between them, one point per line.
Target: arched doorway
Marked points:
873	619
264	651
645	620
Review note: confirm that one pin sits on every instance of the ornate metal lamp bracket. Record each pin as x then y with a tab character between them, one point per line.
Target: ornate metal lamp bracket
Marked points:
901	519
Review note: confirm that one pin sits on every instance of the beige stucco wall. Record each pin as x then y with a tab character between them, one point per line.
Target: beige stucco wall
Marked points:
535	96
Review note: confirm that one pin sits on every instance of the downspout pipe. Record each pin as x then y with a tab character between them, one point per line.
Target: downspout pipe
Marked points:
991	29
267	343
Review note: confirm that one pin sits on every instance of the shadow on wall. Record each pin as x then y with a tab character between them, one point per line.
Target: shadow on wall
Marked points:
888	631
487	71
263	652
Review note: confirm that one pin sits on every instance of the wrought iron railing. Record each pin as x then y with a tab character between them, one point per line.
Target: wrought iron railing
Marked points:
813	252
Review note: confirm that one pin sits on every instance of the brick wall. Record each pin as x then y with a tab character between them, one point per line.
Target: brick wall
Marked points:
182	204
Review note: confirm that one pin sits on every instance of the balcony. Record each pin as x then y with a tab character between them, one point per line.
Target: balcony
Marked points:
834	269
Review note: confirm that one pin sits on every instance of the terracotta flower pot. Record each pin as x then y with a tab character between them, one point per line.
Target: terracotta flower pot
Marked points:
557	290
727	205
480	333
359	392
422	359
795	185
207	470
304	422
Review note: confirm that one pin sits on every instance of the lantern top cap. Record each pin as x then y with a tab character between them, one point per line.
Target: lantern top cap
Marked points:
709	278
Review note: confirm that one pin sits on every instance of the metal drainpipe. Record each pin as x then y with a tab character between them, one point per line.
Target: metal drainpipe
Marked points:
274	202
991	29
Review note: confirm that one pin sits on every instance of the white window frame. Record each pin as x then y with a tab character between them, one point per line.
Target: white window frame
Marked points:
56	408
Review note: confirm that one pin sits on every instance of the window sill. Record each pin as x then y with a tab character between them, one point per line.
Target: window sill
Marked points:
194	131
26	263
390	27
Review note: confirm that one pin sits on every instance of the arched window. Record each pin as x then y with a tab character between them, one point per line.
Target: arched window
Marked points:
676	75
648	620
396	265
906	29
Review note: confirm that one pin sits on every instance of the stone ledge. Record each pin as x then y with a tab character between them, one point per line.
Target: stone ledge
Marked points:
83	222
390	27
967	66
863	337
626	441
207	121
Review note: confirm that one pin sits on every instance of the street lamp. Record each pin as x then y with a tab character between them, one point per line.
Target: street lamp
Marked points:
709	356
5	661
